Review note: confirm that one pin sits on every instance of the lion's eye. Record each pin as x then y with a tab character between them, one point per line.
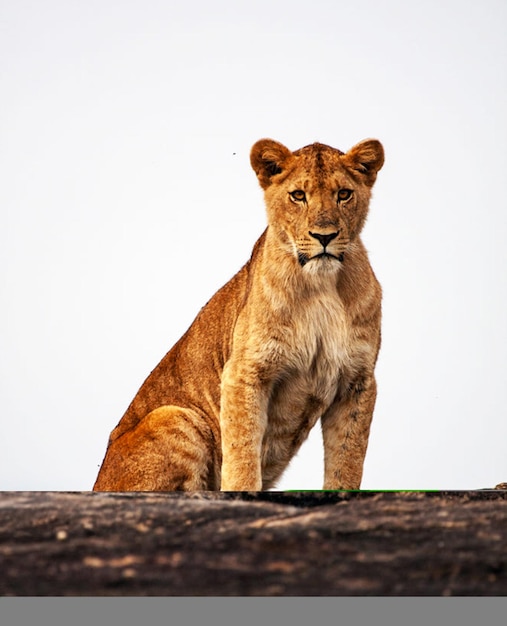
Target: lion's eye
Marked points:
298	195
344	194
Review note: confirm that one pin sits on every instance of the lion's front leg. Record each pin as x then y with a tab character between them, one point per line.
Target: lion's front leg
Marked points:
243	418
345	429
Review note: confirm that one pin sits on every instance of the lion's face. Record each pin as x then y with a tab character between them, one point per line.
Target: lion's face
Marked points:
317	197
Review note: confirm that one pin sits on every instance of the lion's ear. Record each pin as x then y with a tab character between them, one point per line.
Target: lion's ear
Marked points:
268	158
367	157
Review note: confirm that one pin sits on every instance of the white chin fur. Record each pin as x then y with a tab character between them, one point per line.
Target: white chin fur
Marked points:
322	266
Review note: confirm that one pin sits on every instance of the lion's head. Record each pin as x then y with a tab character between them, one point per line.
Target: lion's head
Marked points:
317	197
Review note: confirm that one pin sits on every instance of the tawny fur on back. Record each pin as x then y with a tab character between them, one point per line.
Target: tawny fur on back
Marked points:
291	339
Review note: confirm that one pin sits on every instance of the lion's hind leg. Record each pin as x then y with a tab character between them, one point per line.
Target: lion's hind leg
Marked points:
171	449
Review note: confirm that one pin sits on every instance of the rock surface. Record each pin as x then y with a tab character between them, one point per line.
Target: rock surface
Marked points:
253	544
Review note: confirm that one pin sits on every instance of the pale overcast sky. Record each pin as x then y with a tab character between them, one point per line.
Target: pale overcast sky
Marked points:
127	199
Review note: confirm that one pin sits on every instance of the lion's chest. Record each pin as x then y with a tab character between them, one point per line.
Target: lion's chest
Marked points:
317	355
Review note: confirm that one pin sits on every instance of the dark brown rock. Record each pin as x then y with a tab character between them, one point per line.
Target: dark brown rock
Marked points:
271	543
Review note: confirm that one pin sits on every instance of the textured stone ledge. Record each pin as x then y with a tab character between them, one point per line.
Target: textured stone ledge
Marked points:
253	544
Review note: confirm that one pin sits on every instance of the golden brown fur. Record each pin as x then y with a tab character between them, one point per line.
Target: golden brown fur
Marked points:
292	338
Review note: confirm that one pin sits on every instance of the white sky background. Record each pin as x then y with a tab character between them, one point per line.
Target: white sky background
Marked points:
127	200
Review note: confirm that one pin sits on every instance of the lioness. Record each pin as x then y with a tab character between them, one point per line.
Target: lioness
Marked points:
291	338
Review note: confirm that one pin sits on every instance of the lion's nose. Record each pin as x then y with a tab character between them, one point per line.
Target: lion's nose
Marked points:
324	239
